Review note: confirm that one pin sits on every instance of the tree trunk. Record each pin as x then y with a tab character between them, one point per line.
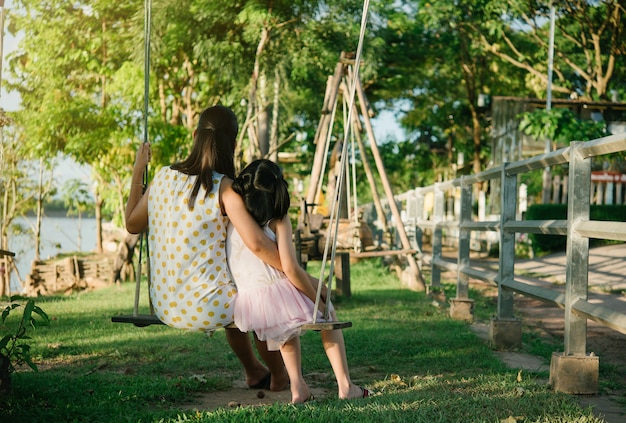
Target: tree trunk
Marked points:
39	211
99	203
273	151
253	129
124	267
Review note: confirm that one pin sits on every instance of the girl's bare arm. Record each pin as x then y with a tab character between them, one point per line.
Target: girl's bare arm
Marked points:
296	274
250	231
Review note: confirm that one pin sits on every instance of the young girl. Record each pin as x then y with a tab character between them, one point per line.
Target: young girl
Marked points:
273	303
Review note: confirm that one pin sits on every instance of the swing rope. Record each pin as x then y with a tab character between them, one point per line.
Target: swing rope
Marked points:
146	104
337	198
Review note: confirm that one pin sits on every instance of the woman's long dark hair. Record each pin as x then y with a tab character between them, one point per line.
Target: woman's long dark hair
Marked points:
264	190
213	149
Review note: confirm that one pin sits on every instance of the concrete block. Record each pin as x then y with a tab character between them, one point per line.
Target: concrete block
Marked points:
505	334
462	309
574	374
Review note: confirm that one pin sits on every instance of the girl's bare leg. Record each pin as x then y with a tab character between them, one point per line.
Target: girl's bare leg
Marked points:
293	362
335	348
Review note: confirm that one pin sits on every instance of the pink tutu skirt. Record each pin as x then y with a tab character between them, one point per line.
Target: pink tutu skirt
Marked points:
275	312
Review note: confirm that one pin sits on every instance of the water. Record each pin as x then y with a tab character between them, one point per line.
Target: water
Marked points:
58	235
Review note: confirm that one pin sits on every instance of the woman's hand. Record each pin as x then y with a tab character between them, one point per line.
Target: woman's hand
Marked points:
136	213
143	157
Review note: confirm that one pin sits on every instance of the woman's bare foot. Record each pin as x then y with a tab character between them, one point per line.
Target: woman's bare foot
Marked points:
280	381
260	379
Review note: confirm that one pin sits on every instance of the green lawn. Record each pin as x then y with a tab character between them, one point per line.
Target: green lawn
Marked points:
423	366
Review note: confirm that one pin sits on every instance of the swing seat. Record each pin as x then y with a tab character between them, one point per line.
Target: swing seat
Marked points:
143	320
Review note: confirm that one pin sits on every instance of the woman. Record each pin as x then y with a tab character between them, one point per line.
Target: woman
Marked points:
187	208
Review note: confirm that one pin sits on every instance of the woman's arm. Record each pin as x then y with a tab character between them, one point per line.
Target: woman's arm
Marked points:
137	205
296	274
250	231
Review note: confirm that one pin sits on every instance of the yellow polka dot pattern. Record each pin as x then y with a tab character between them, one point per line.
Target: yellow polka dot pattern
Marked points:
191	287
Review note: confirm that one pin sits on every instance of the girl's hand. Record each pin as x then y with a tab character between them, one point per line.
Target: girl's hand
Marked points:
322	307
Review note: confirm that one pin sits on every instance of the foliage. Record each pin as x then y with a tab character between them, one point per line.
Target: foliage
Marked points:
560	125
76	197
11	344
80	73
589	43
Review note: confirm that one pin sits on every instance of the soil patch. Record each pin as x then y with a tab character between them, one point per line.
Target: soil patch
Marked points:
242	396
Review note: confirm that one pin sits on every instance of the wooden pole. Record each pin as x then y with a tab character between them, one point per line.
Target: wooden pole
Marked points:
417	283
368	171
321	134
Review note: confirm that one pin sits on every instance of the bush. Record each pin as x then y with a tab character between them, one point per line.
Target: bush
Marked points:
13	351
542	243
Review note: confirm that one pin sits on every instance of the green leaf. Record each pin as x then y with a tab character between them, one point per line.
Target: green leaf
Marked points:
30	363
46	320
7	311
28	311
4	342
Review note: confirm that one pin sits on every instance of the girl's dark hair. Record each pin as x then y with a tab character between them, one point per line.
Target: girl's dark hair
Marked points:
264	190
213	149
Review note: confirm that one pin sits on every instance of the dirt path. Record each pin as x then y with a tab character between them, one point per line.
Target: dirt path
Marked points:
241	396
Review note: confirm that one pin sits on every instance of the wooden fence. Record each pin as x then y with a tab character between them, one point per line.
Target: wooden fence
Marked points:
573	370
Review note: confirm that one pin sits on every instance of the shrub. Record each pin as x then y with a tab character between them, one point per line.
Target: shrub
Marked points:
542	243
13	351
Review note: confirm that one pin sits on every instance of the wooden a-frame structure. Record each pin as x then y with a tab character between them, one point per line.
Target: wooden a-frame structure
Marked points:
339	83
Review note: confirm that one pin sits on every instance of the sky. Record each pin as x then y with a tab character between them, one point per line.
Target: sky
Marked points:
8	101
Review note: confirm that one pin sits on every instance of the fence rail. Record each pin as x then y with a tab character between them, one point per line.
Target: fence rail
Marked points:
578	228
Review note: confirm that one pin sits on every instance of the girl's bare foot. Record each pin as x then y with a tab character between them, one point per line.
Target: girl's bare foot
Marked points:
356	392
306	398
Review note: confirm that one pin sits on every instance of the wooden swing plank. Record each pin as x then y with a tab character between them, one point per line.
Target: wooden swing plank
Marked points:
143	320
326	326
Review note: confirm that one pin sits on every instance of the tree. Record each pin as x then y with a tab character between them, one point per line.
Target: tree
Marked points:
17	189
66	60
589	42
438	70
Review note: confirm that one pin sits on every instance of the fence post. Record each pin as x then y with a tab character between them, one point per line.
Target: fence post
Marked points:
419	217
506	331
438	210
573	371
413	209
462	307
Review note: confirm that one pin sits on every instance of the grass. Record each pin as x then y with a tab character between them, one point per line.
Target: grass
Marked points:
424	367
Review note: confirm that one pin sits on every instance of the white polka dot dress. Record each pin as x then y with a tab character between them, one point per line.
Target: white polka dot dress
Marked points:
191	287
